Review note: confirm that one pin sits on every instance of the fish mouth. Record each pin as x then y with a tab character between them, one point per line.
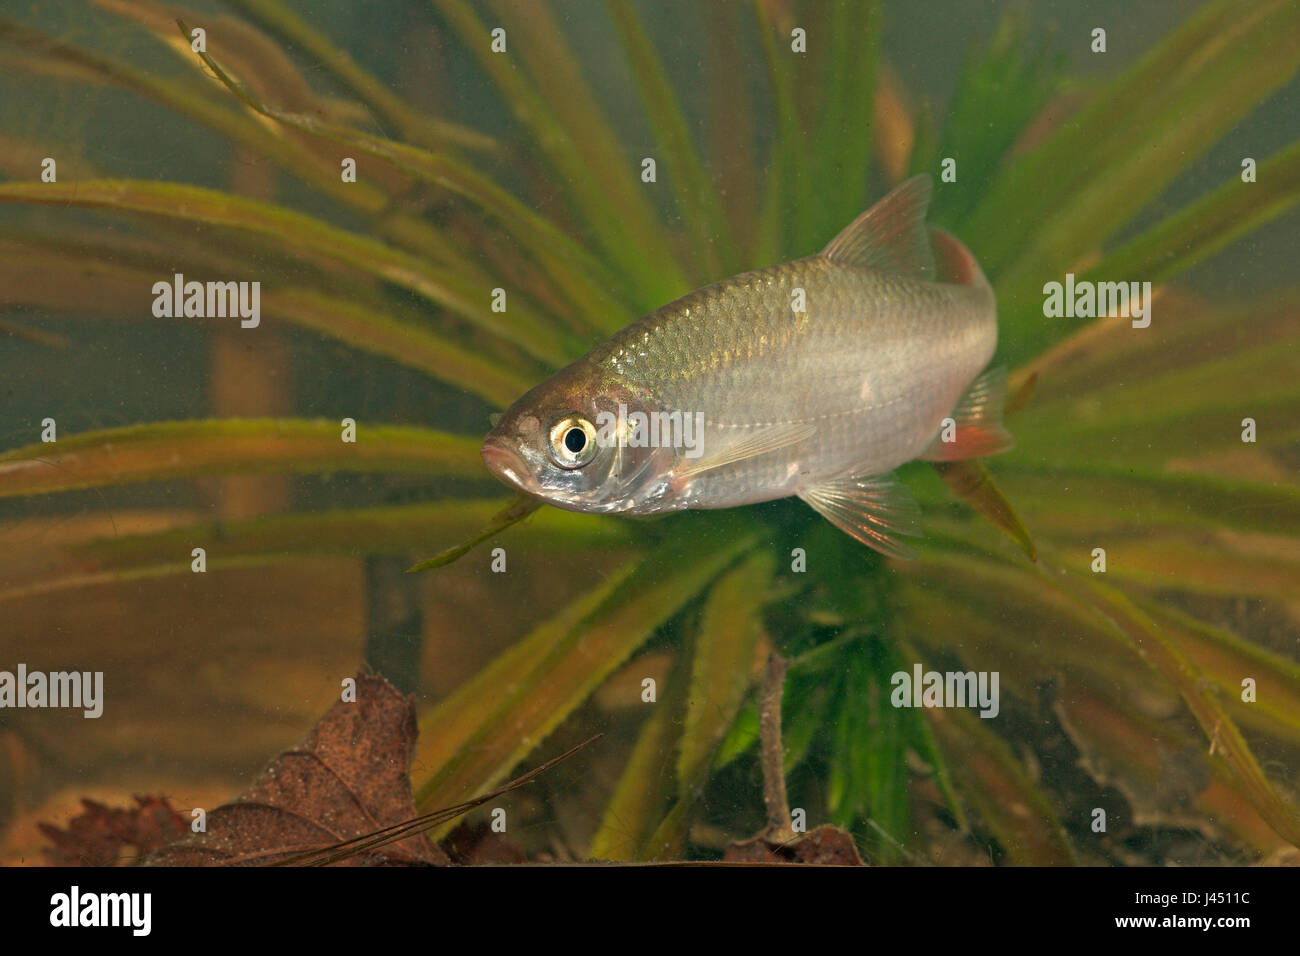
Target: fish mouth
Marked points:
505	463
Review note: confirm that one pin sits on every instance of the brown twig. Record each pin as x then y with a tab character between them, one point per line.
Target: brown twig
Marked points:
769	733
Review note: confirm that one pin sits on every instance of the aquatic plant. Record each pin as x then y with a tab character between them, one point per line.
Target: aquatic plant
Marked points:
1129	440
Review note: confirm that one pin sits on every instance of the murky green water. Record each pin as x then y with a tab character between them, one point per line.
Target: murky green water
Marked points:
226	577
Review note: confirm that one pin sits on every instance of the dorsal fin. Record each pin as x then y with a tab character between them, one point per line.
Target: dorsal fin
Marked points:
891	235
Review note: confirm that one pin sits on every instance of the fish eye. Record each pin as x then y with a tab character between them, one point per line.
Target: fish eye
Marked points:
573	442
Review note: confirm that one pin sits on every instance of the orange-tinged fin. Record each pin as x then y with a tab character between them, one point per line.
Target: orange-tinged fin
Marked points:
760	442
890	236
978	428
874	510
971	480
953	262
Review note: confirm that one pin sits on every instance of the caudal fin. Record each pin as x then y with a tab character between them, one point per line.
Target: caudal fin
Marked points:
976	428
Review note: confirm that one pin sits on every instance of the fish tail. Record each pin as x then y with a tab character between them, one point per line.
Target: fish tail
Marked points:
975	427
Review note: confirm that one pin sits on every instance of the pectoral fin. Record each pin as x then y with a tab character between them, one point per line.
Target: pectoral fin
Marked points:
978	417
759	442
874	510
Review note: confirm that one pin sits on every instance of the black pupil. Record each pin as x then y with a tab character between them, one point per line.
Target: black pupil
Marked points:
575	439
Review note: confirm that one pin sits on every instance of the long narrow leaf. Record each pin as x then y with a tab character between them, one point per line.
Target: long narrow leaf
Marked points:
591	167
214	447
566	262
697	200
646	784
303	232
721	671
283	22
188	99
1235	209
1165	657
473	738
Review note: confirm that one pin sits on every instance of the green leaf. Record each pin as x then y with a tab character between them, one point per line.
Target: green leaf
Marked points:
643	789
303	233
291	538
1226	659
740	738
1201	564
732	125
35	336
169	450
783	176
1164	656
187	98
788	206
354	532
845	96
697	200
928	749
722	664
1160	768
1110	353
1079	498
1201	228
577	273
520	508
475	736
867	777
283	22
720	675
1181	414
543	86
380	333
1075	191
1000	89
1176	99
57	276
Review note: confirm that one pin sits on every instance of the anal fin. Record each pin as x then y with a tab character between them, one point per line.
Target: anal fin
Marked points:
979	430
873	510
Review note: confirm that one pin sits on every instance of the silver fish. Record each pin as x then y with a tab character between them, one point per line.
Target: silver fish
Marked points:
815	378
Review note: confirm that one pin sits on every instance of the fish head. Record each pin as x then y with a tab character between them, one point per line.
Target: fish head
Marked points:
568	442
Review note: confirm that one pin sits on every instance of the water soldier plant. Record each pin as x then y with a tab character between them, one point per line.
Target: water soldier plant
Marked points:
1150	690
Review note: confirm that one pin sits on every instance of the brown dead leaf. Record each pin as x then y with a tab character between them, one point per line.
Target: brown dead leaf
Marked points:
346	780
104	835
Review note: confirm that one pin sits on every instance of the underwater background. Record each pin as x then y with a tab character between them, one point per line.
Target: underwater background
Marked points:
1163	691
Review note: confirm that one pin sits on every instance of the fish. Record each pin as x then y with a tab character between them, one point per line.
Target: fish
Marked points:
816	378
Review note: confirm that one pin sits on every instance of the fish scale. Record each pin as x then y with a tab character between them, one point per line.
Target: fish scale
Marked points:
736	352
